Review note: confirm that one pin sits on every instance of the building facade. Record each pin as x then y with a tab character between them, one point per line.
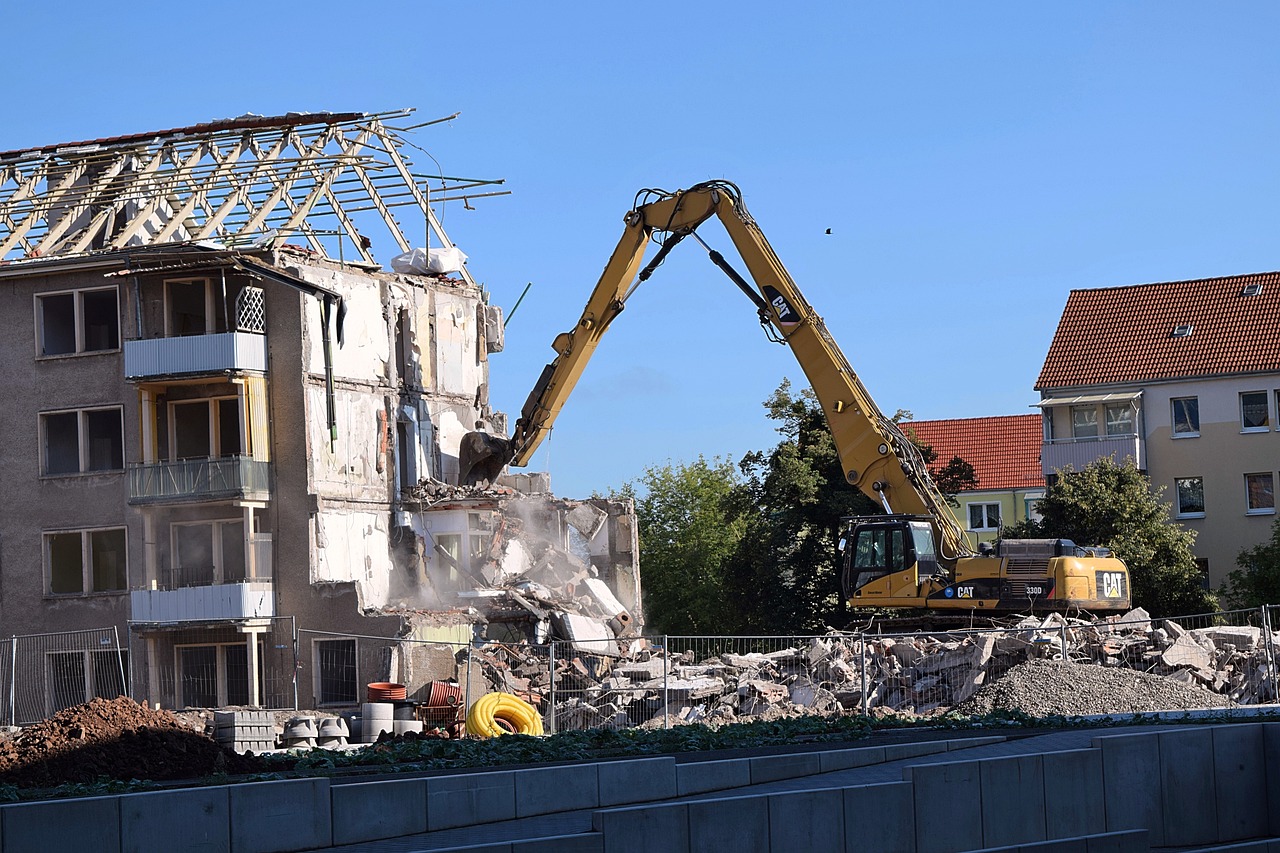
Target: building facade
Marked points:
1183	378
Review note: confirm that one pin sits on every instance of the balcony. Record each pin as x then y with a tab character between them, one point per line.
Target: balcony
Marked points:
227	478
201	593
195	354
1078	452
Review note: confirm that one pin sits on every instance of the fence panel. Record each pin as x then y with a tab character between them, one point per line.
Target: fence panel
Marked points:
55	671
6	681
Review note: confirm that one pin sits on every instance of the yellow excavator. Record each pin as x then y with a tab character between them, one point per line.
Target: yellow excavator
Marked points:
916	555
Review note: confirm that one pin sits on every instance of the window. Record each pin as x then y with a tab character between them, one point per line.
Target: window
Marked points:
1260	493
1120	419
208	552
984	516
1084	422
84	441
215	675
86	561
204	429
200	306
77	322
335	672
1032	502
1190	491
1253	411
1186	416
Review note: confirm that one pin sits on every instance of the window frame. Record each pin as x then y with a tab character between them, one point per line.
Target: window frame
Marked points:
1131	419
217	553
1177	493
1249	508
986	516
1174	432
317	659
221	685
1266	406
1075	425
82	440
213	423
78	321
86	561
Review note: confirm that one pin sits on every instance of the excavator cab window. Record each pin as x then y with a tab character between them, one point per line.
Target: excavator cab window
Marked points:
926	553
878	551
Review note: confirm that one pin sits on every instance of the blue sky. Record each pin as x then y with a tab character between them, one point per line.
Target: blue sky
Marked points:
974	162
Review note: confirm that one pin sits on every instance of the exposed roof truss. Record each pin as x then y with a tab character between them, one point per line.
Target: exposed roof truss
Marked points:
325	178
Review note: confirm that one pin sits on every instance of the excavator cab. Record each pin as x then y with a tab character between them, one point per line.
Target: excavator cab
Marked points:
898	547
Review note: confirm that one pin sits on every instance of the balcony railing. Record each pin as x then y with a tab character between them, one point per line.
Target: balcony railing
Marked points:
199	480
195	354
1078	452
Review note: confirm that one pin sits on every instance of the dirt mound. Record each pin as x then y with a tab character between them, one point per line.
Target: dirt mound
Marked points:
1042	688
113	738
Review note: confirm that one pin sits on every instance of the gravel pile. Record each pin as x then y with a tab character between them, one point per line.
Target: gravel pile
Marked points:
1041	688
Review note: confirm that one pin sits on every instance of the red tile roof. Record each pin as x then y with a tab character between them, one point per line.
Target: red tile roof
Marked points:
1125	334
1004	450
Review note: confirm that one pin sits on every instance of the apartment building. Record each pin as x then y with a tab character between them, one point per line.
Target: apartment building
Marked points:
222	409
1183	378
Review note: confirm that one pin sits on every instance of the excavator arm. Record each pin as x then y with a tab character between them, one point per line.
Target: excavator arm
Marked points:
875	455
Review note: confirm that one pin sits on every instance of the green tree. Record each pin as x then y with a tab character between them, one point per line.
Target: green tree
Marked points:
686	535
785	576
1113	506
1257	581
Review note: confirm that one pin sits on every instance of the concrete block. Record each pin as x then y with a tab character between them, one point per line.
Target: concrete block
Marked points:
367	811
806	821
1073	793
1061	845
880	818
586	842
1240	781
771	768
1130	767
639	780
661	828
948	806
1187	786
200	817
470	798
86	824
843	759
1271	750
700	777
737	823
971	742
293	814
1012	800
898	751
1128	841
546	790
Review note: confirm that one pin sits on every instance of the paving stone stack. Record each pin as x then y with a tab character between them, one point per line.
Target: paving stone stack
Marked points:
245	731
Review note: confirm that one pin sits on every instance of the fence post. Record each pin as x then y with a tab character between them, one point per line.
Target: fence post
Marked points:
466	694
1271	650
297	664
13	679
124	681
552	669
666	668
862	653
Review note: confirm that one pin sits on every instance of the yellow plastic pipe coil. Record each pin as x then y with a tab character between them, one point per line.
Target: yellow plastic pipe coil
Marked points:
482	719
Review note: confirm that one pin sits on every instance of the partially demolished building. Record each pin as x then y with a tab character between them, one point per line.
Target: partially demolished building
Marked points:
223	411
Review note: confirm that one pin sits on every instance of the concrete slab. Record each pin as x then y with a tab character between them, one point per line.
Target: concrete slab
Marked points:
1240	781
367	811
197	818
700	777
948	806
771	768
469	799
90	823
843	759
644	829
740	824
1187	786
640	780
1013	802
1130	764
880	818
1073	793
547	790
269	817
1129	841
587	842
1271	748
898	751
806	821
971	742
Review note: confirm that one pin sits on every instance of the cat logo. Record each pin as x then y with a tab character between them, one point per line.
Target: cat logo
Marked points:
964	592
787	315
1112	584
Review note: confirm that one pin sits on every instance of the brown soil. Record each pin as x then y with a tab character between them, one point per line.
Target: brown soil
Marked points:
116	739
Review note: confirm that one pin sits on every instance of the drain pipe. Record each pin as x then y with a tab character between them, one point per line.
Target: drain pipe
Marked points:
331	416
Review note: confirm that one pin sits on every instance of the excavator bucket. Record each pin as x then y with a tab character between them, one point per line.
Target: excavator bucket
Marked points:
481	458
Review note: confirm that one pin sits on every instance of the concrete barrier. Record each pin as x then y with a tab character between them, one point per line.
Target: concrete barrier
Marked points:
701	777
545	790
1013	800
1074	805
587	842
880	818
806	821
368	811
644	829
948	806
1271	751
1130	765
274	817
1188	797
844	759
87	824
638	780
470	799
771	768
733	823
1240	781
196	819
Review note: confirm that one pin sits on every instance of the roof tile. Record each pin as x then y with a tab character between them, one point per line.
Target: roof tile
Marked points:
1003	450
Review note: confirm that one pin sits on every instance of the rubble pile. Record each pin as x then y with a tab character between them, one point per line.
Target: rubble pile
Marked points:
1144	665
112	738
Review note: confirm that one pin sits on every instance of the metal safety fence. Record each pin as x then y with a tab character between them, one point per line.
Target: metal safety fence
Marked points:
44	673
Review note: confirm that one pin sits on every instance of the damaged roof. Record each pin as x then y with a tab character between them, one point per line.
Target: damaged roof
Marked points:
251	181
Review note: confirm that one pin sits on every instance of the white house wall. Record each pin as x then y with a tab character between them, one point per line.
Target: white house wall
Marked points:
354	546
366	346
349	467
458	368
